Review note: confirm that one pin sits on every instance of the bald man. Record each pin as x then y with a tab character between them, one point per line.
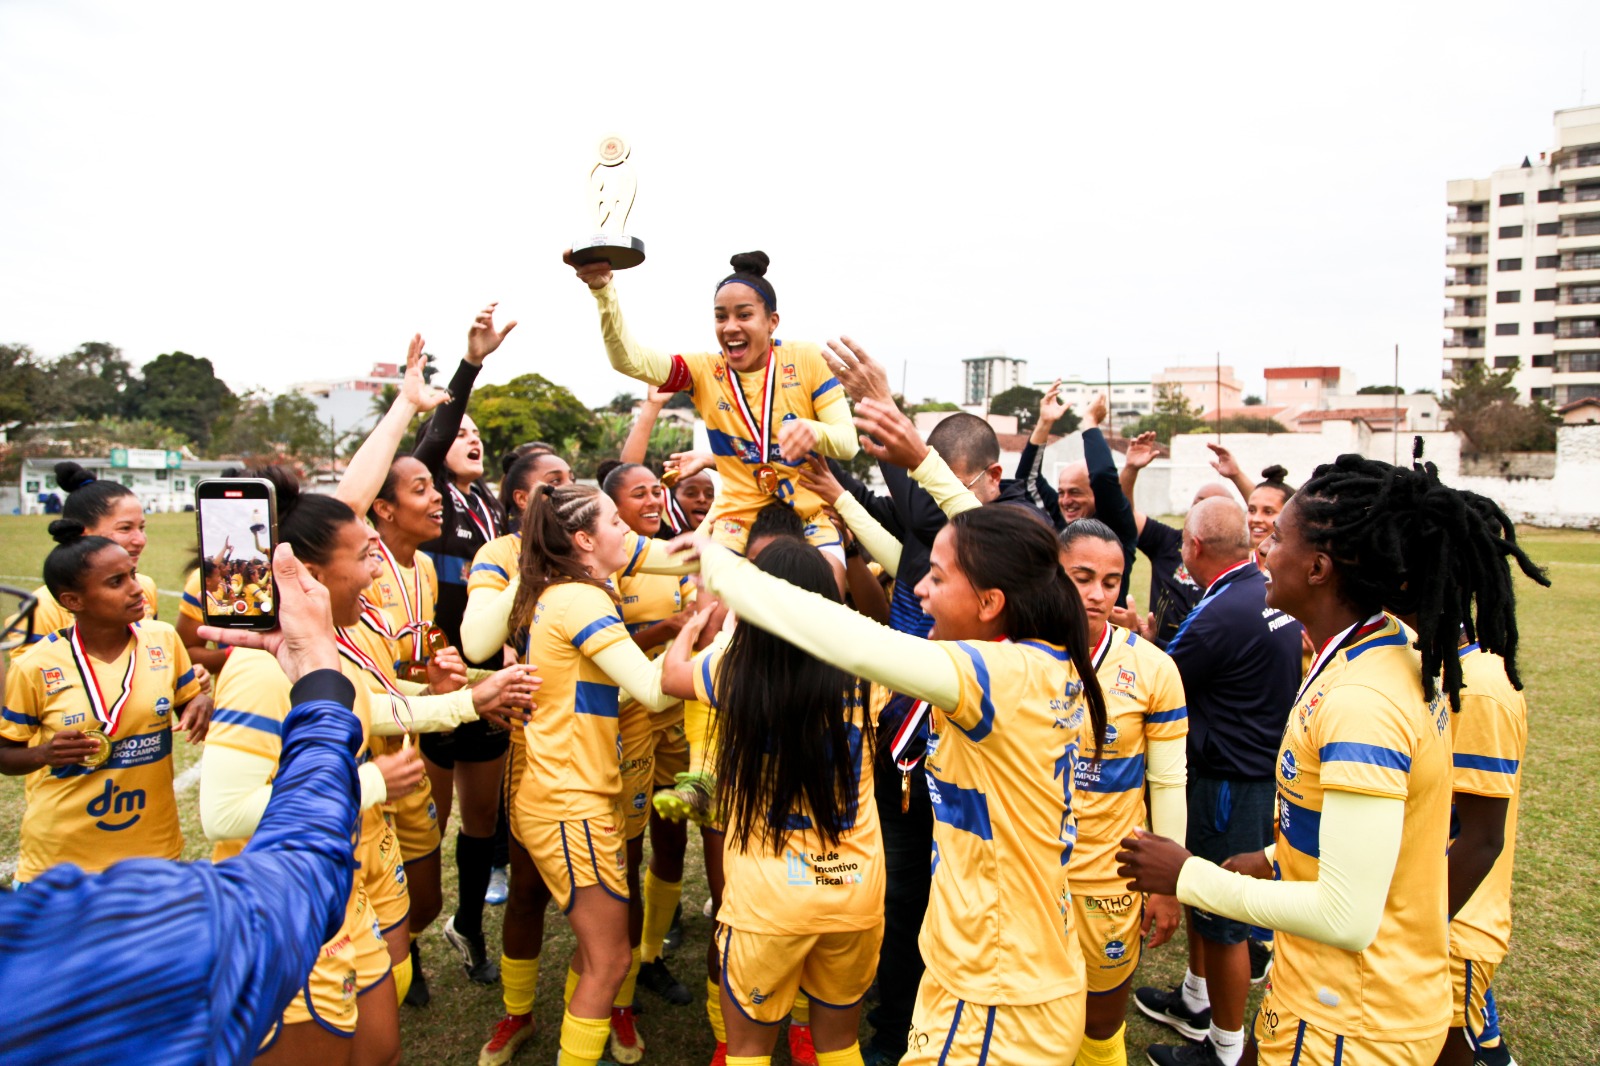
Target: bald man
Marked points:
1240	663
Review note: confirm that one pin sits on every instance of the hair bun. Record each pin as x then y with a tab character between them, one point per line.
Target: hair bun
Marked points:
751	263
65	530
72	477
1276	473
285	487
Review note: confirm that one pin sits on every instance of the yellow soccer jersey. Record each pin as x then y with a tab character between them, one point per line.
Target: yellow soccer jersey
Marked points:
124	809
805	386
573	741
1144	702
646	600
1000	775
1490	736
405	594
383	653
1362	725
495	564
811	887
50	617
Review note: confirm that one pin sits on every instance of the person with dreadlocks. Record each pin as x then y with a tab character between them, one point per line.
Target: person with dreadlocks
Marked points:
1356	882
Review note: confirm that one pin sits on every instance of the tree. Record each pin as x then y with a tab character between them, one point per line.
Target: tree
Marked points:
1171	414
179	389
1252	400
530	407
1380	390
266	429
91	381
25	388
930	404
1249	424
681	401
622	403
1022	402
1483	408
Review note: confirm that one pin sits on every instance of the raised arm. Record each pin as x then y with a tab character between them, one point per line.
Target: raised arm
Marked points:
637	446
627	355
882	545
364	474
1141	451
1226	465
1030	464
893	439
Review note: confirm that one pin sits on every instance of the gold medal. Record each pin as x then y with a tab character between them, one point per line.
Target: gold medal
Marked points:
670	478
905	791
767	479
102	749
413	670
434	640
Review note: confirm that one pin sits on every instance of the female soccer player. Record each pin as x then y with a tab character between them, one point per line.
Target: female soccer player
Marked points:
89	716
802	905
1356	881
1264	501
1009	677
1146	730
103	509
767	405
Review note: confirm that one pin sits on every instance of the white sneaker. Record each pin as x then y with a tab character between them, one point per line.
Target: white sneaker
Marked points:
499	890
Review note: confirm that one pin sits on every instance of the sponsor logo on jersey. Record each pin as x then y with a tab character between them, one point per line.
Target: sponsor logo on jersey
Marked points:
1125	679
158	658
1109	904
55	680
112	804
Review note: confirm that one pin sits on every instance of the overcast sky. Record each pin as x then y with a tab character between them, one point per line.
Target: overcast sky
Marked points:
293	189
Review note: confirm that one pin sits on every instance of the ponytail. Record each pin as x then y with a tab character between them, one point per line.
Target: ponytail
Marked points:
64	566
549	555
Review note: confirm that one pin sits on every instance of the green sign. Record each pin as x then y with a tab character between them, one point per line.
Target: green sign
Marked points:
145	459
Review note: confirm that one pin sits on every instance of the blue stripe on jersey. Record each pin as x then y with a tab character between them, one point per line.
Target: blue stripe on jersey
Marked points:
1485	762
1371	754
638	550
965	809
185	679
190	600
490	567
37	637
594	698
1177	714
1301	827
729	445
705	679
248	720
18	717
132	751
831	383
1393	640
1110	775
1058	654
594	627
986	707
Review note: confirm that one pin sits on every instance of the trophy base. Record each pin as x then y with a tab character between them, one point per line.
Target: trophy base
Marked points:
620	251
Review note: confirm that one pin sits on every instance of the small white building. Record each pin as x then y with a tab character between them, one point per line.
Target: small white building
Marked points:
163	480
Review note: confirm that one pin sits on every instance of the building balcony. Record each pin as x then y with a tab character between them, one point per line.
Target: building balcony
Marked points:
1454	258
1565	243
1452	320
1578	175
1584	275
1578	301
1463	290
1466	227
1586	329
1464	342
1570	208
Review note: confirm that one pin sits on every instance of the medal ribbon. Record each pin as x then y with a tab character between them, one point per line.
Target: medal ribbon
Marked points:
106	716
412	598
464	501
903	736
1333	647
676	519
1101	650
376	620
348	649
758	432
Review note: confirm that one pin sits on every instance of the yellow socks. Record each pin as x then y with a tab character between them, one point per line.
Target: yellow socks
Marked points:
850	1056
1112	1051
625	993
660	900
714	1011
800	1013
748	1060
402	977
572	986
583	1040
518	978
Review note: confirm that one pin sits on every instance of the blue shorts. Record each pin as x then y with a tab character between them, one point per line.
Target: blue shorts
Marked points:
1227	818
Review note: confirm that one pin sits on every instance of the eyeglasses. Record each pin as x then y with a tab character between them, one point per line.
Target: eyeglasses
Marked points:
19	622
975	477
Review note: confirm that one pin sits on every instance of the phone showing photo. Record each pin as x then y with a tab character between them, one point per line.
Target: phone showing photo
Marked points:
238	521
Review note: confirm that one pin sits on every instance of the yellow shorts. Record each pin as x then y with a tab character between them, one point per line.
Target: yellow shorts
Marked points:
1108	932
671	749
1283	1038
732	530
762	973
638	766
945	1029
1469	984
350	964
516	763
384	878
573	855
416	822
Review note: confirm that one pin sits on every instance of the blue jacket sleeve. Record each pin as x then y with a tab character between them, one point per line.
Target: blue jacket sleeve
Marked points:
193	963
433	445
1042	494
881	508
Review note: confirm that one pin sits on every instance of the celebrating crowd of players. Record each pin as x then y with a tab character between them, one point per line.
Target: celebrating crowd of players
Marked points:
929	740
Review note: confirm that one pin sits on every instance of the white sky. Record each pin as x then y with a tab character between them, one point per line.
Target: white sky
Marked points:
293	189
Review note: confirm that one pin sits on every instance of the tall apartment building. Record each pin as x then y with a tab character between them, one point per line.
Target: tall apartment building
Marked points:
986	376
1524	267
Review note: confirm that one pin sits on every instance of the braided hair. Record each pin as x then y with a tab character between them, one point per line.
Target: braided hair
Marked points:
549	556
1403	541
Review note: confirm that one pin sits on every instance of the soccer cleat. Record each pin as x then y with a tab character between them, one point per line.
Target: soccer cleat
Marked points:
1167	1008
801	1050
1499	1055
872	1055
1201	1054
417	995
481	969
627	1046
1260	962
690	798
674	938
510	1033
499	889
655	977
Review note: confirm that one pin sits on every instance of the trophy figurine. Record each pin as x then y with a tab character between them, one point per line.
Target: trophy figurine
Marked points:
612	188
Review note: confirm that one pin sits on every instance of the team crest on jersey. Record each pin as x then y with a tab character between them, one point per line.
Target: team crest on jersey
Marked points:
348	987
388	592
758	997
718	371
1125	679
1287	767
1111	734
732	526
163	707
55	680
1115	949
1182	575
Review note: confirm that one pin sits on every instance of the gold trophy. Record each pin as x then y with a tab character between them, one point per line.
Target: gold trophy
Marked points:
612	187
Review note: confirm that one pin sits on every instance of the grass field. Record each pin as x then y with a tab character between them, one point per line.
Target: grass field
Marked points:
1545	989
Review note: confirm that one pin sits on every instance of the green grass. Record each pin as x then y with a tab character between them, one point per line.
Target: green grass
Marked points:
1544	988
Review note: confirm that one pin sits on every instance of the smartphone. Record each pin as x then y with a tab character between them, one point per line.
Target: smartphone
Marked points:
238	522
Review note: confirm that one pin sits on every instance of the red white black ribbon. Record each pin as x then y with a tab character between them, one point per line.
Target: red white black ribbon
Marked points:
758	431
677	521
397	699
412	598
1333	647
1101	650
903	736
466	501
106	714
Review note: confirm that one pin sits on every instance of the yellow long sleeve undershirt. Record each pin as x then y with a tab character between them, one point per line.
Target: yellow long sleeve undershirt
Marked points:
1166	771
879	542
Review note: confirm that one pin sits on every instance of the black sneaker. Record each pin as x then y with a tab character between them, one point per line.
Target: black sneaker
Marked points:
674	937
1260	962
1167	1008
658	979
1201	1054
481	969
417	995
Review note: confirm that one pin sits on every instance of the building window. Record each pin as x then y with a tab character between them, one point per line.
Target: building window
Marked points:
1507	232
1509	296
1588	226
1510	199
1544	362
1549	196
1548	229
1588	156
1579	363
1547	262
1569	393
1544	327
1582	261
1544	294
1508	264
1506	362
1507	329
1586	193
1583	294
1546	394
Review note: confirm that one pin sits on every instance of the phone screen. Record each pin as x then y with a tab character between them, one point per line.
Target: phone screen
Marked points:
237	532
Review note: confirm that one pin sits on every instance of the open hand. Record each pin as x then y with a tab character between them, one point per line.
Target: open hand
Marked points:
1161	915
889	435
860	375
483	338
446	671
1052	406
506	696
1142	450
423	397
1224	463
